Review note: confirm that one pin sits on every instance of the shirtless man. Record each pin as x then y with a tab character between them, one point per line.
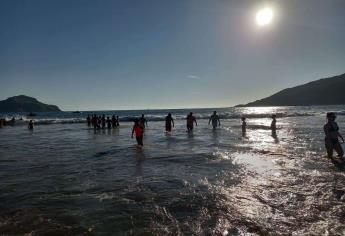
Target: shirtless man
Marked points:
215	120
190	122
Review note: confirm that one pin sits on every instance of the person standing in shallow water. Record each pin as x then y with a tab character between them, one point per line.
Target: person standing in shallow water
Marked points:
117	121
31	125
190	122
244	126
331	130
103	121
88	120
168	122
274	125
108	122
138	129
215	120
113	121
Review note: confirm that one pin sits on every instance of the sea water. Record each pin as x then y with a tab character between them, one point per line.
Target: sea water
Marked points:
64	178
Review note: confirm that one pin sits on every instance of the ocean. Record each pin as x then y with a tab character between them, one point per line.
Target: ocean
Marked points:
64	178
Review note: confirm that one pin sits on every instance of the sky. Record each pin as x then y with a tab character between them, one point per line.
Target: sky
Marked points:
147	54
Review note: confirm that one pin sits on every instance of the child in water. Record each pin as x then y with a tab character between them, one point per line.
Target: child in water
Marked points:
331	130
139	132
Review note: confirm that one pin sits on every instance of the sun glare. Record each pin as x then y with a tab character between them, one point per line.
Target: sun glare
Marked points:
264	16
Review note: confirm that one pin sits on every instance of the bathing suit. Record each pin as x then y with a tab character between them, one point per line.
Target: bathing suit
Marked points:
139	134
168	121
190	120
214	119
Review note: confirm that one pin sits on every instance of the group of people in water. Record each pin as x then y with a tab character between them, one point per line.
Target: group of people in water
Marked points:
331	128
140	123
100	122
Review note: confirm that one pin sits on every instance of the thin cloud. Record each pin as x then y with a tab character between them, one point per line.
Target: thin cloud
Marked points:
193	77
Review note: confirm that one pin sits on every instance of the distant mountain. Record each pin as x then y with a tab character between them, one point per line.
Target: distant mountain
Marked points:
24	103
328	91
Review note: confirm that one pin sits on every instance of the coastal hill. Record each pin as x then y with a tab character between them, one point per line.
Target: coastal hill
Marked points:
24	103
328	91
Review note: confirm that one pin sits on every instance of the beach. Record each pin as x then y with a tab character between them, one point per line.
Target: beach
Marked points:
65	178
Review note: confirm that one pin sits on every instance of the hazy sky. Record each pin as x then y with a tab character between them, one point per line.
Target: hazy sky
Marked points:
100	54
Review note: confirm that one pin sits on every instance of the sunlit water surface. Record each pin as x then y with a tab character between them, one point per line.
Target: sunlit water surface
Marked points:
67	179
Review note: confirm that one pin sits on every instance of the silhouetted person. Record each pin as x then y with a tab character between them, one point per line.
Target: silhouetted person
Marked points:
143	121
274	125
94	121
190	122
99	122
103	121
117	121
332	136
2	123
31	125
244	126
168	122
215	120
113	121
88	120
138	129
108	122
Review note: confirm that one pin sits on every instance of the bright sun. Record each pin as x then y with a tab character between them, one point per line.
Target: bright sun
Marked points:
264	16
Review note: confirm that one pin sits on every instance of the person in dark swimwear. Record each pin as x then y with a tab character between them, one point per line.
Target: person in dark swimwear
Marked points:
94	121
244	126
31	125
215	120
88	120
99	122
190	122
274	125
331	130
138	129
108	122
117	121
103	121
113	121
143	121
168	121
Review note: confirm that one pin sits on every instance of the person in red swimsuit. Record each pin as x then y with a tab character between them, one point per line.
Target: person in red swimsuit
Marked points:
139	132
